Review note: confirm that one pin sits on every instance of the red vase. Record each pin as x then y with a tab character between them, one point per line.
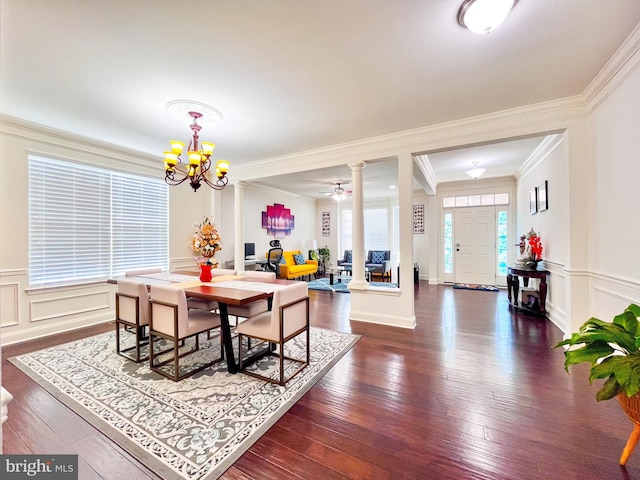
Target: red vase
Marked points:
205	273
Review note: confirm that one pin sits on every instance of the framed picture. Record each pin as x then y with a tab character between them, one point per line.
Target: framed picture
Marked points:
533	201
326	224
418	219
542	197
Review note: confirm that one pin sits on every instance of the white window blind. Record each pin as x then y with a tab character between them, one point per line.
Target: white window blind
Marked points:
375	229
74	230
140	234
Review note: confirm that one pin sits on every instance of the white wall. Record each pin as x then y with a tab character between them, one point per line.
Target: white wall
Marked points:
614	186
422	241
256	200
551	163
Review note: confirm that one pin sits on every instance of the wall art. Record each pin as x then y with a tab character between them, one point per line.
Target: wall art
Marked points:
418	219
543	203
326	224
278	220
533	201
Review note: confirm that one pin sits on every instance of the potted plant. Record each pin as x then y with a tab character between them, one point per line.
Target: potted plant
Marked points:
325	253
612	349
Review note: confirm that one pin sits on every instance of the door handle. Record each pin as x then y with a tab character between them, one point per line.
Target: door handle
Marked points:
457	246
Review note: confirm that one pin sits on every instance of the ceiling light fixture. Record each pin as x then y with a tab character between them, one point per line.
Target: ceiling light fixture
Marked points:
339	194
484	16
199	157
475	172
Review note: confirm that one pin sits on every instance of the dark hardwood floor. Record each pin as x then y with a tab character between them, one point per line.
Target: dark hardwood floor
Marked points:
474	392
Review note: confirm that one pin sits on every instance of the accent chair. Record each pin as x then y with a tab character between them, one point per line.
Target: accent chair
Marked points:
347	260
379	263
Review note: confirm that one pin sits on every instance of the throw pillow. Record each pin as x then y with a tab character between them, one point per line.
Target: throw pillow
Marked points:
299	258
377	257
348	256
282	260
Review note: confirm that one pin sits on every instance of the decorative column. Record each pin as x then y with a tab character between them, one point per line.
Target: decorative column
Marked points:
238	227
358	281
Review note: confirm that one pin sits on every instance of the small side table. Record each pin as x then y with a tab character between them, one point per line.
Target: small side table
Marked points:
513	285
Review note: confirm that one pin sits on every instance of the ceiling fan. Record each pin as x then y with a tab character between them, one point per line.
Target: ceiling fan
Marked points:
338	193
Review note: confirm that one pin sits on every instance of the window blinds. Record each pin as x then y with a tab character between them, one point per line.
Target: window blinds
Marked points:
87	224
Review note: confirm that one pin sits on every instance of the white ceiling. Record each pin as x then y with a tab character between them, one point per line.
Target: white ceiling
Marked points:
293	75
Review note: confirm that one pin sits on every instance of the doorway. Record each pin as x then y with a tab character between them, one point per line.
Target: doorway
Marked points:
475	245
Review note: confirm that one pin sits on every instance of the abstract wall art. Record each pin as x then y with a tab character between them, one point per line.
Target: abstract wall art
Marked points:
278	220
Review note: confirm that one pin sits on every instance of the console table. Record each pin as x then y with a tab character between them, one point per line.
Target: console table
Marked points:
513	285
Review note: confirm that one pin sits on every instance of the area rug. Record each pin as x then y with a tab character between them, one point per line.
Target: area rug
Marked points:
475	286
192	429
341	287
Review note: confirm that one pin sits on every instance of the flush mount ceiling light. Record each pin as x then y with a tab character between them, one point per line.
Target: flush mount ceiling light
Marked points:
475	172
483	16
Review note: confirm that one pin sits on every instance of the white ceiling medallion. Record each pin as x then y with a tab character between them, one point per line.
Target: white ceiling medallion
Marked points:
180	109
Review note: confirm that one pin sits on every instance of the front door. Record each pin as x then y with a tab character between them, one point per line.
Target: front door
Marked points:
475	245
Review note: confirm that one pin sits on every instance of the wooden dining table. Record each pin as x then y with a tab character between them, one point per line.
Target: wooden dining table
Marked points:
224	296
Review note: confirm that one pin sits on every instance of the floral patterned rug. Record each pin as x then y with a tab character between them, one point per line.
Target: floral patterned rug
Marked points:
192	429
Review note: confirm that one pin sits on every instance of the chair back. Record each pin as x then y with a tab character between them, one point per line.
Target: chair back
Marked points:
142	271
259	274
382	256
126	305
273	259
216	272
294	317
164	316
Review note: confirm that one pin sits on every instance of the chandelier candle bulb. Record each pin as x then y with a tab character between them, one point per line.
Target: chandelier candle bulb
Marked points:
176	146
207	147
223	165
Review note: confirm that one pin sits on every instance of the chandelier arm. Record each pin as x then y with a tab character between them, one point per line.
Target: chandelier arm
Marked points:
219	184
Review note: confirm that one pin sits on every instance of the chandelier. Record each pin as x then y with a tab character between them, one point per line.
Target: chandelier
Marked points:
196	171
476	171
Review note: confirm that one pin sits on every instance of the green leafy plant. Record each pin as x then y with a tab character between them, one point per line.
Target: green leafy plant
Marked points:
613	351
325	253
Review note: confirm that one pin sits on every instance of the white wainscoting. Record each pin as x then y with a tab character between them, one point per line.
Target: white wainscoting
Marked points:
610	295
29	314
556	295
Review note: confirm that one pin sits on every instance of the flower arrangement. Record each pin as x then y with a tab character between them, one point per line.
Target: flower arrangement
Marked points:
206	242
536	247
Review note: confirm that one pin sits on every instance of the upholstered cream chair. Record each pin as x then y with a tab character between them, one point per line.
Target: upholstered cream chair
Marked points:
288	318
172	320
201	303
250	309
142	271
132	313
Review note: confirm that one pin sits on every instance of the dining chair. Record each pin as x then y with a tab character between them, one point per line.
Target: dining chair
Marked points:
288	318
250	309
142	271
132	313
172	320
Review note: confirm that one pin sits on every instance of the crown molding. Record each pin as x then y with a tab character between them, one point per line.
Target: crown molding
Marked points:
547	146
423	165
617	69
51	136
540	118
